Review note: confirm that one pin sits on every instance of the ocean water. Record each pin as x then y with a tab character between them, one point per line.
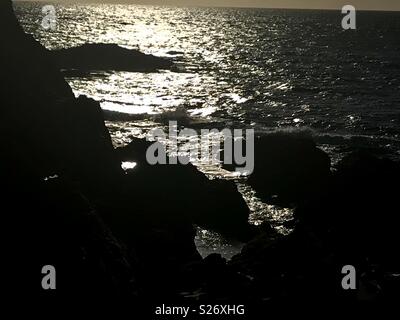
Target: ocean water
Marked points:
256	67
242	68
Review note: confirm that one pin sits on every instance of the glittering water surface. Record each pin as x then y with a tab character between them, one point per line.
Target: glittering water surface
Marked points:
242	68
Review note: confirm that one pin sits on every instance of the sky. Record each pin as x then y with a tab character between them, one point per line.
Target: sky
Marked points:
304	4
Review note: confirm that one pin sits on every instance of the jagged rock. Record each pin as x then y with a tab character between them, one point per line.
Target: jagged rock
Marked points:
47	134
358	213
101	56
28	74
182	193
288	168
353	221
67	202
55	131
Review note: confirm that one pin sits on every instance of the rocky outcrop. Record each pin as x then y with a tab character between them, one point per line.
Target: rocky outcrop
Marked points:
186	194
28	73
360	213
100	56
289	168
111	234
70	204
54	130
51	223
353	221
50	140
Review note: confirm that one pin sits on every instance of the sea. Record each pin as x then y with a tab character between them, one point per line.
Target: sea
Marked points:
269	70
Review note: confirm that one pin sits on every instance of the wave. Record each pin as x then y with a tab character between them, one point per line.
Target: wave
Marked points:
179	114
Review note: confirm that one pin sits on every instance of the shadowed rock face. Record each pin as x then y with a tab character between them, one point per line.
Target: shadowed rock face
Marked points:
46	131
107	57
289	169
10	27
187	194
351	216
27	70
55	131
353	221
359	213
63	178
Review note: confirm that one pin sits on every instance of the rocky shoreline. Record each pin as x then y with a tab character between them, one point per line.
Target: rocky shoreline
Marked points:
101	56
130	237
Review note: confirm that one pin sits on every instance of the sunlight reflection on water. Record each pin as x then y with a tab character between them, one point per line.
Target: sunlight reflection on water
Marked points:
263	69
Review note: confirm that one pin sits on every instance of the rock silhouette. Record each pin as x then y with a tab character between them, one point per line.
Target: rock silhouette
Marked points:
187	194
352	221
130	236
101	56
289	168
48	218
57	146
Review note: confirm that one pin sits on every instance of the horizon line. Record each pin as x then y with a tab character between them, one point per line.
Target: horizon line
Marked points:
201	6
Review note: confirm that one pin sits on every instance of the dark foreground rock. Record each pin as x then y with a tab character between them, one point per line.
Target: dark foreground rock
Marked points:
358	213
51	223
26	66
100	56
186	195
67	203
109	234
63	185
289	168
354	221
50	140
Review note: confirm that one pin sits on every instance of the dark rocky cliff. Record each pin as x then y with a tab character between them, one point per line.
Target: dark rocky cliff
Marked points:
67	202
45	131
